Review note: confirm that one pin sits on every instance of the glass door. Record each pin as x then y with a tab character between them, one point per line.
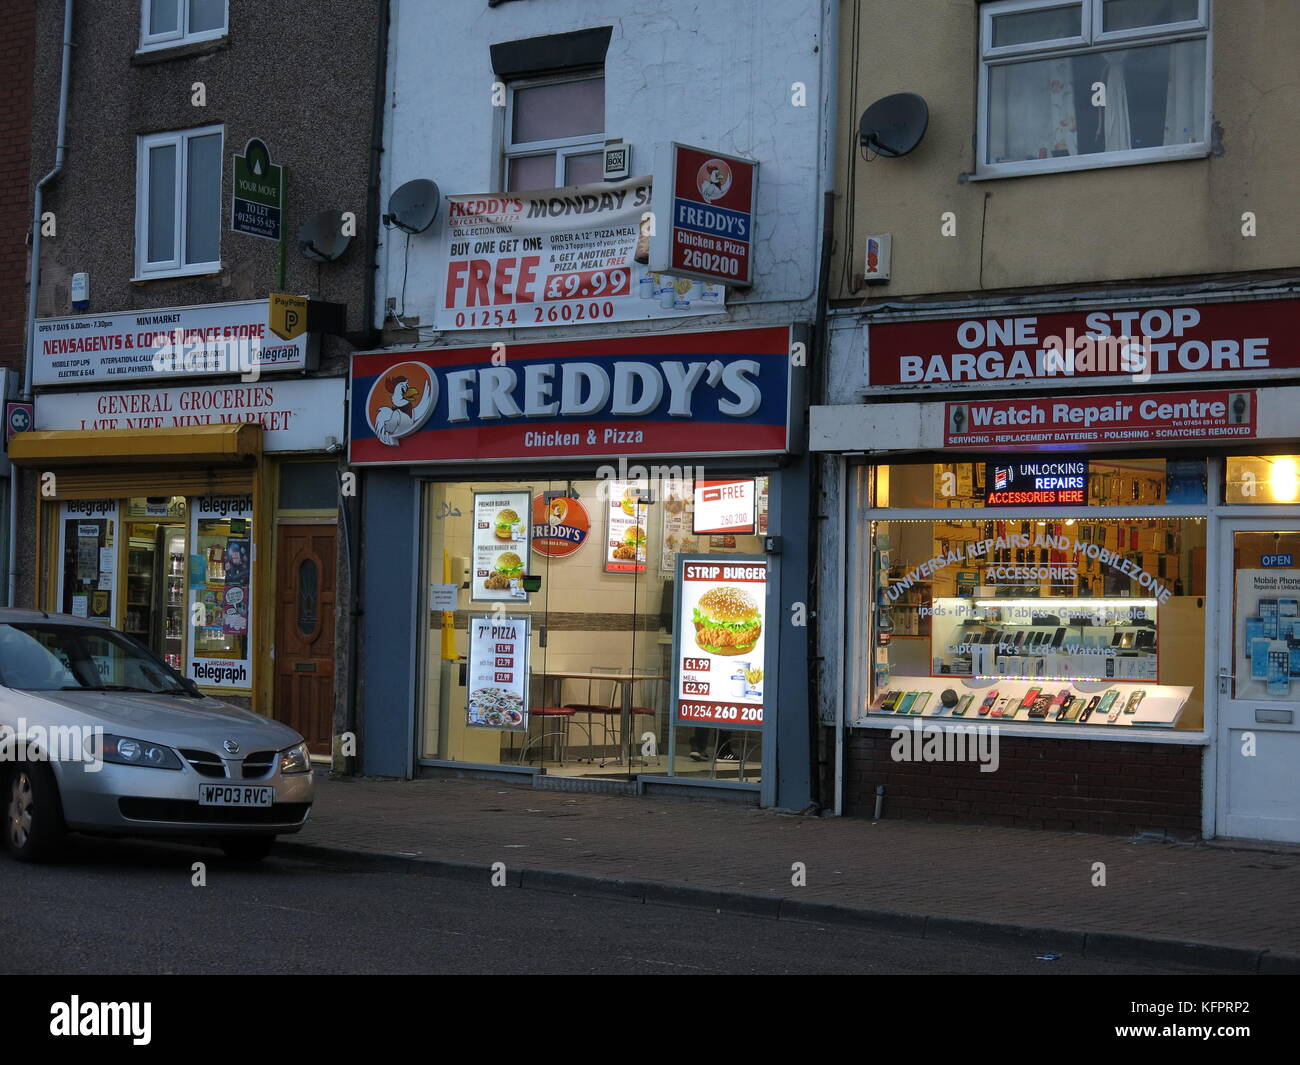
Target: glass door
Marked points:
1259	682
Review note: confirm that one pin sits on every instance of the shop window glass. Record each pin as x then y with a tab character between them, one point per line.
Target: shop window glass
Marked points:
592	569
156	572
1262	479
1059	479
220	577
1041	618
88	530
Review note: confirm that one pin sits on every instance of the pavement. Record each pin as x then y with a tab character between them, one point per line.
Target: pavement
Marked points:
1217	906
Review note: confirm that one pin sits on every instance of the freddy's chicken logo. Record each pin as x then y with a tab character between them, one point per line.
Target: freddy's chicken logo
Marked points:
713	180
401	401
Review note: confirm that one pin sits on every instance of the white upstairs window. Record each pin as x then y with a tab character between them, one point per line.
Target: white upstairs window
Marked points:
1077	84
178	203
166	23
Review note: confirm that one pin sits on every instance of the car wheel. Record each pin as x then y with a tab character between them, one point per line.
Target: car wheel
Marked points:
247	848
33	824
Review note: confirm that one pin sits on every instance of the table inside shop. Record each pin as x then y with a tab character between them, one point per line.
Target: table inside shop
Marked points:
625	681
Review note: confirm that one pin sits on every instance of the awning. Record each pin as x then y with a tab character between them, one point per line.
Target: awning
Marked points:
198	445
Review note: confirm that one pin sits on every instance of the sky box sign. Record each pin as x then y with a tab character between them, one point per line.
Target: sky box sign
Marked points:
726	392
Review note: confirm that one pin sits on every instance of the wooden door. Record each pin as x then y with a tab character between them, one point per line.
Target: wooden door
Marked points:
304	642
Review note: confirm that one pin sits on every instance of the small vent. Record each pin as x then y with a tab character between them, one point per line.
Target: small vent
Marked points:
258	764
205	763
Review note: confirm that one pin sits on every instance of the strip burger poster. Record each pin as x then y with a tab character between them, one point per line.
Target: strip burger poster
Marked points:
572	255
501	535
721	639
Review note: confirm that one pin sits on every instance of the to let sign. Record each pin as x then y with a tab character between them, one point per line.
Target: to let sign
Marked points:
708	215
258	204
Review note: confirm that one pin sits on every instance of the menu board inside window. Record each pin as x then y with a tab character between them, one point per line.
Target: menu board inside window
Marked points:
627	513
502	535
220	578
88	553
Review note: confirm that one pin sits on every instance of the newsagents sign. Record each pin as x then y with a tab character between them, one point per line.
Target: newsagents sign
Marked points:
1154	344
164	342
725	392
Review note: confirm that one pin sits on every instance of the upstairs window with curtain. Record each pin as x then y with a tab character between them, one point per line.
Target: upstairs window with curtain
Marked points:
1091	83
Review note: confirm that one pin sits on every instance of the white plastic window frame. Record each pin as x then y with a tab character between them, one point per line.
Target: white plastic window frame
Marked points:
176	265
562	147
1092	39
152	42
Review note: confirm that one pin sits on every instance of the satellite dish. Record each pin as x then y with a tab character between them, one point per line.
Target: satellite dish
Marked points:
413	207
894	125
321	237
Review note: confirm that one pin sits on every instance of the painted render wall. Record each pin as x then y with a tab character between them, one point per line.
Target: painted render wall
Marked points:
716	75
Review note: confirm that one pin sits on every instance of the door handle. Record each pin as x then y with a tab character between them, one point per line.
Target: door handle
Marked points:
1225	680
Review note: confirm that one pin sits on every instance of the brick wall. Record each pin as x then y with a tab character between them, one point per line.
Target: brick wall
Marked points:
1060	784
17	42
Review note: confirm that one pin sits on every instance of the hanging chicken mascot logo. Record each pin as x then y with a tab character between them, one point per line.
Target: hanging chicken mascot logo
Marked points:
401	401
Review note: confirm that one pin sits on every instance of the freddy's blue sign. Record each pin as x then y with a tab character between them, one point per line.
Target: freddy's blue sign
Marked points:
725	392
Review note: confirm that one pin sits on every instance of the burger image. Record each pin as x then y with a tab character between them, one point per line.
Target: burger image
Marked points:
727	622
509	565
505	525
635	536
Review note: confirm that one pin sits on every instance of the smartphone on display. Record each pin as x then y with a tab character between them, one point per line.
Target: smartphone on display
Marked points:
1106	700
918	707
1286	609
1029	698
1259	658
988	702
1268	615
1039	709
887	699
1059	703
1090	709
905	703
1279	669
1058	638
1134	701
1001	709
1073	709
963	704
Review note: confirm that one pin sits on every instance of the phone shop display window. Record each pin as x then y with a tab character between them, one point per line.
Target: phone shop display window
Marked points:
1068	622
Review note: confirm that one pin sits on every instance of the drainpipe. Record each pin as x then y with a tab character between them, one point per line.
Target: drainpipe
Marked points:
38	202
352	518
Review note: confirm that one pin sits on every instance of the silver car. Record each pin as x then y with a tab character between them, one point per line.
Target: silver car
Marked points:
98	735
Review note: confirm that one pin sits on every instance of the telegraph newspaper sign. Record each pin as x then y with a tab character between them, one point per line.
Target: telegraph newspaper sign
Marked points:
1160	345
707	216
725	392
569	256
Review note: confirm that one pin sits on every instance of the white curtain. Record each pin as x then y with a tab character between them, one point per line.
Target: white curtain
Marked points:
1117	131
1185	97
1036	116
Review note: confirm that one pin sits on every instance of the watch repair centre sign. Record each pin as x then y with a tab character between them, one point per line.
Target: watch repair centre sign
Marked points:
1143	418
1245	340
696	394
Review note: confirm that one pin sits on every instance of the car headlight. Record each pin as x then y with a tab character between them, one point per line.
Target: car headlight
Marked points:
122	750
295	760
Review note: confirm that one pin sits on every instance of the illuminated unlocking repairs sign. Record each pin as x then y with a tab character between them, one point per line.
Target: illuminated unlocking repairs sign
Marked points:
1044	483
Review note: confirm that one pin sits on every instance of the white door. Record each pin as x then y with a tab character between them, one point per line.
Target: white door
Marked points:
1259	681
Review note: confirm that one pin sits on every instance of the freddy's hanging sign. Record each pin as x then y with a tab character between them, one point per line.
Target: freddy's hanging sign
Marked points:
717	393
1135	345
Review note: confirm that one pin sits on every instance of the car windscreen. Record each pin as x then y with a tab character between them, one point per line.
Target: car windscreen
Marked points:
47	656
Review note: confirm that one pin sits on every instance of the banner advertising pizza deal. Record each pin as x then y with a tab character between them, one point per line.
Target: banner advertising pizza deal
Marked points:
720	639
558	257
497	677
501	534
